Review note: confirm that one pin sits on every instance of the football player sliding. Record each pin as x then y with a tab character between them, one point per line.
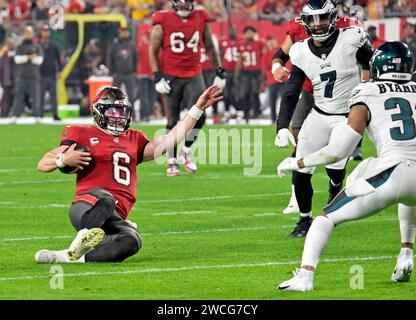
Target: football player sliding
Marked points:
175	53
297	32
333	59
385	107
106	175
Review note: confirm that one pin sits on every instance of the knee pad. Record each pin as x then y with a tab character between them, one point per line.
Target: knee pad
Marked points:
97	215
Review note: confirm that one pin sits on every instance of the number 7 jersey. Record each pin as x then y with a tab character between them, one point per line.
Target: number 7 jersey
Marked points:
333	76
113	165
182	41
392	125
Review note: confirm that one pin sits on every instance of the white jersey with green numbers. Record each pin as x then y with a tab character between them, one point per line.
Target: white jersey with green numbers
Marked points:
333	76
392	108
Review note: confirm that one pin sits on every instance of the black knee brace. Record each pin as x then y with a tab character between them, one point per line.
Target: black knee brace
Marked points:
97	215
303	191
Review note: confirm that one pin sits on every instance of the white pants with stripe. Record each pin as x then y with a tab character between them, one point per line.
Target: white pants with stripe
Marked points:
316	133
394	185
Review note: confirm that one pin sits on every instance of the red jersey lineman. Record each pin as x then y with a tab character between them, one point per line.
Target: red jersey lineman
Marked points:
178	35
105	163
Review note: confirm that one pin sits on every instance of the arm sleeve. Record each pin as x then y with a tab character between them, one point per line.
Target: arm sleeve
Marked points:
340	146
69	136
364	55
290	97
142	141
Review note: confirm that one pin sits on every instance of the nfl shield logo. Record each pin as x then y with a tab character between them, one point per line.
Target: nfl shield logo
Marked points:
116	139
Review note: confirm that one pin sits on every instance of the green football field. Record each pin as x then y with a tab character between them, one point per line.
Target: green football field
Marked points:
218	234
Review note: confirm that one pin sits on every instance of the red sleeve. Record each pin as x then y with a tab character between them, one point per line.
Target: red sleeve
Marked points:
69	136
291	27
206	16
142	141
157	18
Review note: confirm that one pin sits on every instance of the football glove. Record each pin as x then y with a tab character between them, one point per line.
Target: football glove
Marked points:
161	83
283	137
287	165
220	79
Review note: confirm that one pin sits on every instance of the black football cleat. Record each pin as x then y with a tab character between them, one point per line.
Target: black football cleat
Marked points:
356	155
302	227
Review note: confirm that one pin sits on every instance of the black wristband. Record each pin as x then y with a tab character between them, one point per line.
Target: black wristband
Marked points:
221	73
157	76
281	55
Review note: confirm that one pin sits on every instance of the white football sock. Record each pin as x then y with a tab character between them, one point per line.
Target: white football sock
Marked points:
406	252
304	215
407	219
316	240
187	150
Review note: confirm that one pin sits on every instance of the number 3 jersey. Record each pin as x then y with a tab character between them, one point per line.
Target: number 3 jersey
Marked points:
333	76
182	41
113	165
392	116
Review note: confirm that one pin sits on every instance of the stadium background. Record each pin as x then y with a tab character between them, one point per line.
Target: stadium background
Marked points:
269	17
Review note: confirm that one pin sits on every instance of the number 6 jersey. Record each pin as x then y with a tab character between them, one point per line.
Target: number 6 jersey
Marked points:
334	75
113	165
182	41
392	126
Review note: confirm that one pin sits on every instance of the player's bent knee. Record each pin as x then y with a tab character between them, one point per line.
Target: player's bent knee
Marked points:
98	214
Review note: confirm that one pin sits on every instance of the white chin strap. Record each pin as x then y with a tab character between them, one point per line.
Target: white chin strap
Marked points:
183	13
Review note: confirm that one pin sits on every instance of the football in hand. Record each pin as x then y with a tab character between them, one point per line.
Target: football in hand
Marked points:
69	169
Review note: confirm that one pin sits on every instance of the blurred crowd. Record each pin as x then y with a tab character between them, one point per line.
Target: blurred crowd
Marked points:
31	60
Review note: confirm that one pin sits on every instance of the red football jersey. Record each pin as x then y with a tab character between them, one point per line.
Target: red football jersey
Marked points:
252	55
183	39
113	167
229	53
297	32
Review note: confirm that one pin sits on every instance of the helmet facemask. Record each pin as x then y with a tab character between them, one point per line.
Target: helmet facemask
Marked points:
320	24
112	111
183	8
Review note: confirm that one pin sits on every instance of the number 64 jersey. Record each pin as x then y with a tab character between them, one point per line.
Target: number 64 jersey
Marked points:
334	75
392	126
113	165
182	41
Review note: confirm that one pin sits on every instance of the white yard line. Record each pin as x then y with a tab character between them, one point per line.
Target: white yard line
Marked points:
191	268
179	213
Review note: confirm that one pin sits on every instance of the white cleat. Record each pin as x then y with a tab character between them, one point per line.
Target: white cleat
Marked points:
49	256
293	206
186	159
85	241
302	281
173	168
404	268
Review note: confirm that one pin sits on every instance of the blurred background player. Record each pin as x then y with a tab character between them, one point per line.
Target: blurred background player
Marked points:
49	71
28	58
229	57
333	58
248	72
297	32
378	182
107	176
7	69
175	48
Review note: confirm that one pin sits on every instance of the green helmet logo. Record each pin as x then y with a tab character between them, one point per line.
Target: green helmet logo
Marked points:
392	61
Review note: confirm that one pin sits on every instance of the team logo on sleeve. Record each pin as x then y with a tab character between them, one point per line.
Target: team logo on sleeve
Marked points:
94	140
